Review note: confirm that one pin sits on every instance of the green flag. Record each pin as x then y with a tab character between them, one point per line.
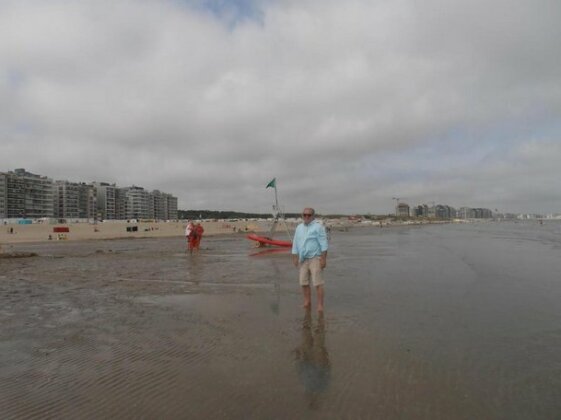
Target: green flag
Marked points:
272	184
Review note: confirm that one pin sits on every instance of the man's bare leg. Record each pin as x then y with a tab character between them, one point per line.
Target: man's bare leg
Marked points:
307	296
319	290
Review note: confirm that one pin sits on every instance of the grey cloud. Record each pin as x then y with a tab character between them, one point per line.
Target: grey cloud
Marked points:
170	97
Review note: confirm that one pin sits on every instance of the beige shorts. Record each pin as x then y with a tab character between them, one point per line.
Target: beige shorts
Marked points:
311	269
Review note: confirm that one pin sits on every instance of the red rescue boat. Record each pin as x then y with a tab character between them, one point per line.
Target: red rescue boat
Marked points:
263	240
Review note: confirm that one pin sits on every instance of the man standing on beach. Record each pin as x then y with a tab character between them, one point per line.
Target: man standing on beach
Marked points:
309	254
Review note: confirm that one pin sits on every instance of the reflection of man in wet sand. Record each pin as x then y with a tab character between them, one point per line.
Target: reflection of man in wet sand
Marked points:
314	369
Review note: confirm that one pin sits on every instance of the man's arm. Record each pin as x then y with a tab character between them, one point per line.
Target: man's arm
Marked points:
322	237
323	259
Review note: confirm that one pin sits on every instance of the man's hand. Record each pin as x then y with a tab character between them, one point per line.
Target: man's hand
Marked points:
323	261
295	260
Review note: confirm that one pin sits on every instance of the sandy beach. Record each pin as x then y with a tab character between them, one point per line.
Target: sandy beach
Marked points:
40	232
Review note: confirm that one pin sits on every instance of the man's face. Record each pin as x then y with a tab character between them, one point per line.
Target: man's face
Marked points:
308	216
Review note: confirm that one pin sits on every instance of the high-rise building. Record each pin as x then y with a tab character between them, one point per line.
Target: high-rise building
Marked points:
3	195
165	206
443	211
422	210
87	201
402	210
140	203
480	213
172	207
66	200
105	199
74	200
120	204
24	194
160	205
466	213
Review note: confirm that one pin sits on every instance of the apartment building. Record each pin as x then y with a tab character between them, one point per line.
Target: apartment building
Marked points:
402	210
73	200
3	195
443	211
172	207
160	205
121	204
25	195
465	213
480	213
87	200
165	206
106	200
422	210
139	203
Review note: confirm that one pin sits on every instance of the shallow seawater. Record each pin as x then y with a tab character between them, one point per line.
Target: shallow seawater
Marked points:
447	321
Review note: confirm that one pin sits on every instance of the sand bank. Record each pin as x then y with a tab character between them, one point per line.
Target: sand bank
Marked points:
40	232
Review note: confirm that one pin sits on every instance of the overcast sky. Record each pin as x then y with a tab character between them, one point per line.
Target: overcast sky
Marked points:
347	103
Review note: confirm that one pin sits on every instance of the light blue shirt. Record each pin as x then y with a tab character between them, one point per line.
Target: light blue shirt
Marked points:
309	240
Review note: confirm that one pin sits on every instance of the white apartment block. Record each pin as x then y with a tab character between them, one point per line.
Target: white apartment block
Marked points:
139	203
120	204
25	195
165	206
160	205
106	202
3	196
402	210
172	207
75	200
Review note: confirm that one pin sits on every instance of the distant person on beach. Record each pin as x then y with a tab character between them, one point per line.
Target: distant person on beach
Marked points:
189	235
309	254
196	236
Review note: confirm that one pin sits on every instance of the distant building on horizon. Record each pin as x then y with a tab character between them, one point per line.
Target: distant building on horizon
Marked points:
105	201
402	210
446	212
165	206
422	210
74	200
27	195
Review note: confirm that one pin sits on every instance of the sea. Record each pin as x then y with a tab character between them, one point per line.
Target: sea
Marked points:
452	321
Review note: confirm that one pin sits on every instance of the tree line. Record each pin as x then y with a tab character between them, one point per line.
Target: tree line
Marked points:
215	214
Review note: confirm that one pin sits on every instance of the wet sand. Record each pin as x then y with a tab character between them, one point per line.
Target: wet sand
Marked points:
428	322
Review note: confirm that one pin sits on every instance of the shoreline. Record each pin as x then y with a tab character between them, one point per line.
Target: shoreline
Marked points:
11	234
44	232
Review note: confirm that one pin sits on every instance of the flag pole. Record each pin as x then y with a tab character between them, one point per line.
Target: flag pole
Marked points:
276	200
277	211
